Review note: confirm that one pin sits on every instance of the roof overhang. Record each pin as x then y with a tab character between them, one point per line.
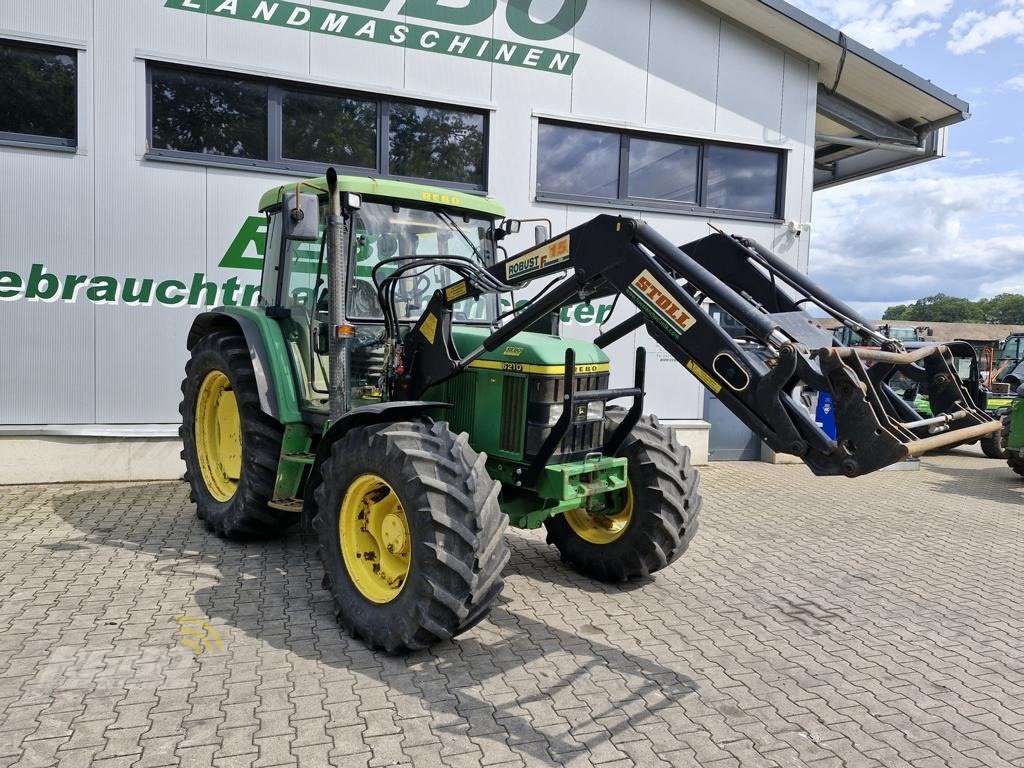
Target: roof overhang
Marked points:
872	114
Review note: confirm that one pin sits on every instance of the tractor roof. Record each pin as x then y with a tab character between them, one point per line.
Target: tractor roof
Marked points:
400	190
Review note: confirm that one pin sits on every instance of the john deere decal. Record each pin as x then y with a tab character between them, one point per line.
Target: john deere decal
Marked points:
658	303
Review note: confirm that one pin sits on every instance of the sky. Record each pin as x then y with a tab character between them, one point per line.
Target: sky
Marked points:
953	225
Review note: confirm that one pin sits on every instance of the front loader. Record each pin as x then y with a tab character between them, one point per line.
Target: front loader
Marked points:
377	395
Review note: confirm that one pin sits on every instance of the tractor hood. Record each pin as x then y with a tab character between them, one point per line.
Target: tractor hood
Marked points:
534	353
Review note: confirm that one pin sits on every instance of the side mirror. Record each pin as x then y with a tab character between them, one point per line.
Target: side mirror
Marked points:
511	227
301	214
540	234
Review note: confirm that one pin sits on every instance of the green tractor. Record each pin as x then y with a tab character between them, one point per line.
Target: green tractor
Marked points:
1012	419
377	396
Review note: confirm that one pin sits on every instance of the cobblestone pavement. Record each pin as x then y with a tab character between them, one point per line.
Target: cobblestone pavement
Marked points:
822	622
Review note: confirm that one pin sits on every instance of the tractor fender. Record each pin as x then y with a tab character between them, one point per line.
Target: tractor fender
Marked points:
220	319
380	413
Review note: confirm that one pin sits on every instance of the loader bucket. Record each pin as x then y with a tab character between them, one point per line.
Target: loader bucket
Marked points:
875	427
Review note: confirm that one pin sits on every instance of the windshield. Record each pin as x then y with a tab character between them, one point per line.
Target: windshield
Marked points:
385	231
1009	349
903	334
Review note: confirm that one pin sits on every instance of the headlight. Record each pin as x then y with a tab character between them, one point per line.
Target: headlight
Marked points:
595	410
554	414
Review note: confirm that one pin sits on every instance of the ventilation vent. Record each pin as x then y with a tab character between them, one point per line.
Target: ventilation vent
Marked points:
513	414
462	394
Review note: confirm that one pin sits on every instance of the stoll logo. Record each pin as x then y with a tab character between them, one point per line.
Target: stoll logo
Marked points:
333	17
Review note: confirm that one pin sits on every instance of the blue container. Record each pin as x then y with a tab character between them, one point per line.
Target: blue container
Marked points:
826	414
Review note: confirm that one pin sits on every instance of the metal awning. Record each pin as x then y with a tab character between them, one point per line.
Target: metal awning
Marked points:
872	114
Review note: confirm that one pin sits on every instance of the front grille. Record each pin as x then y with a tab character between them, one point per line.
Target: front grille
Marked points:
583	436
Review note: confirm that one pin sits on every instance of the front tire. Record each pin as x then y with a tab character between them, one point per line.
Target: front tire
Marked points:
994	446
231	448
411	534
656	525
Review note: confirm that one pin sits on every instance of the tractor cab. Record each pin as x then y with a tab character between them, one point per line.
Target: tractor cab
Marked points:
391	224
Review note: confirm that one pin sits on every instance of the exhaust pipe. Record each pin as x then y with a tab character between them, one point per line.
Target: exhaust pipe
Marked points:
341	332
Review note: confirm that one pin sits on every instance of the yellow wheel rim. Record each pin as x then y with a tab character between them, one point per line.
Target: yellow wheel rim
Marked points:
218	436
375	541
602	529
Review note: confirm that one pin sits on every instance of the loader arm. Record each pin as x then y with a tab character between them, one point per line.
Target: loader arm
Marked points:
766	379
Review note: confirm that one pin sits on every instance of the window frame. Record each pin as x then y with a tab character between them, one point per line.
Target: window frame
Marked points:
277	163
38	141
660	205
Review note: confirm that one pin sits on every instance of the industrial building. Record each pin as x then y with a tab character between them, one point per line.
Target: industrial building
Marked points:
136	137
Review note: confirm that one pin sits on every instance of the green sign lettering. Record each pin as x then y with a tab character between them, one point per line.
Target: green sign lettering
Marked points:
450	42
469	13
253	233
568	16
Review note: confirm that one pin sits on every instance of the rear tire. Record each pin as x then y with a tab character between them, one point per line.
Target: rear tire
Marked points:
994	446
663	518
230	506
451	549
1013	460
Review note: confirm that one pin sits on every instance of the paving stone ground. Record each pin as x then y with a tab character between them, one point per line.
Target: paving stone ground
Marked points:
820	622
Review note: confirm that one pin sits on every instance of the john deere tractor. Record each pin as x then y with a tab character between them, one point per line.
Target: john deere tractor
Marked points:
377	396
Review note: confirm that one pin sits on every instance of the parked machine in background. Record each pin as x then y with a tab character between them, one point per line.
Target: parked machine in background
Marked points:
968	368
1008	365
376	396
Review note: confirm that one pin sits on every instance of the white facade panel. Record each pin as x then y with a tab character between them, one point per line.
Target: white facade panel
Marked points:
357	63
430	72
667	66
613	46
48	342
261	46
682	87
48	19
751	75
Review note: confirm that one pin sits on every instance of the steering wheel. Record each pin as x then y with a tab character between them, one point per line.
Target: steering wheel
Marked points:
362	301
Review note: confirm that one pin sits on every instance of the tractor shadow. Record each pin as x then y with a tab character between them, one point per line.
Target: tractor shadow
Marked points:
985	480
489	683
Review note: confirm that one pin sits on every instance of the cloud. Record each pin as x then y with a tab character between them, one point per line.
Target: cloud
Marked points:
917	232
1013	84
973	30
881	24
1003	140
964	158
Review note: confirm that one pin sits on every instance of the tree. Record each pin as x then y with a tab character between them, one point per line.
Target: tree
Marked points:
1006	308
939	308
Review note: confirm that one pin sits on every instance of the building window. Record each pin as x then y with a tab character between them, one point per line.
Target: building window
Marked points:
197	114
39	99
628	169
327	128
209	114
430	141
